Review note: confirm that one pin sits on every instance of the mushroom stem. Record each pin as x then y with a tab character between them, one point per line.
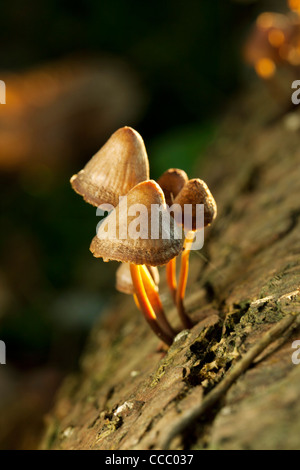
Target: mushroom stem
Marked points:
136	301
171	277
184	270
154	298
146	306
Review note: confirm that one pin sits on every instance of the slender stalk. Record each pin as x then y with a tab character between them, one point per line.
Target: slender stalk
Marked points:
171	277
154	298
136	301
146	306
183	277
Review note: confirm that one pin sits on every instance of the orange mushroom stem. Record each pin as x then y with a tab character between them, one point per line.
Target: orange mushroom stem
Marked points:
146	306
184	270
171	277
154	298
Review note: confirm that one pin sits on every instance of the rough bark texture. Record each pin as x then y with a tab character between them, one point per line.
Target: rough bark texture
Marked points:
245	279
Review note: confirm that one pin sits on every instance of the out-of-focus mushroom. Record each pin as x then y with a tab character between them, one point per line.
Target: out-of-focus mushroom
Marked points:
59	111
294	5
274	41
156	243
194	192
114	170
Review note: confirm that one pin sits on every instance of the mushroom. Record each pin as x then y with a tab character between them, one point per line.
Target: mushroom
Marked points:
156	243
294	5
263	47
171	182
116	168
194	192
274	42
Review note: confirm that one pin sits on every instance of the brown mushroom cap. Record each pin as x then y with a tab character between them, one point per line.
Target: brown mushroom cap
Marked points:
196	192
119	165
172	182
148	251
124	281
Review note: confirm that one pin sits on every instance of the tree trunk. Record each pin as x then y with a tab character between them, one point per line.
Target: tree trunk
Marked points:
129	393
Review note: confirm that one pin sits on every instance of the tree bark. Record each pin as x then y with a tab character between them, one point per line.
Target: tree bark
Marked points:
129	393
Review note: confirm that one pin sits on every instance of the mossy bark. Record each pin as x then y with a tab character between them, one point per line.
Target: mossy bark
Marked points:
245	279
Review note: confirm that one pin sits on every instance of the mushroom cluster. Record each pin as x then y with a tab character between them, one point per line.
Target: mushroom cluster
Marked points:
274	42
121	168
294	5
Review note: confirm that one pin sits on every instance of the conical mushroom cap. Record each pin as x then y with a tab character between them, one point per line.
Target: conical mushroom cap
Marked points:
196	192
119	165
172	182
124	281
140	236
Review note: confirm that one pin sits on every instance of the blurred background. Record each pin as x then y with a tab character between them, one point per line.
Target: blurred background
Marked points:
74	73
